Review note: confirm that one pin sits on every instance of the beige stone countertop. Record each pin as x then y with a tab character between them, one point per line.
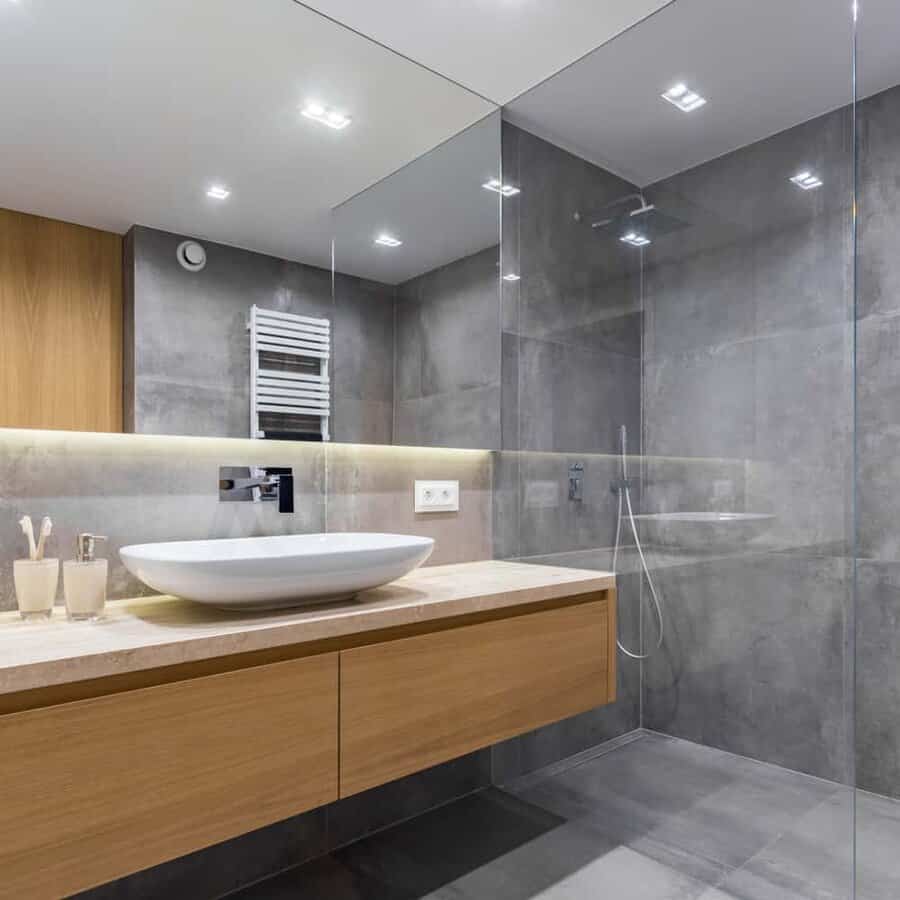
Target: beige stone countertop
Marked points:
149	632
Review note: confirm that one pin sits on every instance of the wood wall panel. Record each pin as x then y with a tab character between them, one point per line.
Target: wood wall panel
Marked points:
97	789
61	314
415	702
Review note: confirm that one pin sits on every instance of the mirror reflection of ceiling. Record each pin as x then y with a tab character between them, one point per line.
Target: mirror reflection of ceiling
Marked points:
497	48
763	66
118	112
436	206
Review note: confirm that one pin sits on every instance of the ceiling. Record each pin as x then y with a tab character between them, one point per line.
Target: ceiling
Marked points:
497	48
118	112
763	66
436	205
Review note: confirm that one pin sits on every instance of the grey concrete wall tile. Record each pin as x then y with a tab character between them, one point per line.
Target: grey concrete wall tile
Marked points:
753	660
879	204
878	424
700	301
574	400
551	523
878	677
701	404
372	489
448	356
466	418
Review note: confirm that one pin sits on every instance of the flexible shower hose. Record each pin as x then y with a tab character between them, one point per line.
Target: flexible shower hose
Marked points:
624	489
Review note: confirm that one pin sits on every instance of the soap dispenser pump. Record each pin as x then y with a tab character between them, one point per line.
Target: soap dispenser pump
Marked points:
84	580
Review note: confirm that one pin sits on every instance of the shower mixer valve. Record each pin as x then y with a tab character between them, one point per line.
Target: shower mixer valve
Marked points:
576	482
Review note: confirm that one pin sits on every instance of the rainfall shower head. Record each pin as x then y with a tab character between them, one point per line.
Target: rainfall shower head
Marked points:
637	227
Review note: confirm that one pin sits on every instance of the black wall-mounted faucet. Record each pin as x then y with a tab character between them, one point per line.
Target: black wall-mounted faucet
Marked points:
257	483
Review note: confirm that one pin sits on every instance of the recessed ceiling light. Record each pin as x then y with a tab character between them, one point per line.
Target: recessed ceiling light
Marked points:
635	239
683	97
498	187
511	277
330	117
387	241
217	192
807	180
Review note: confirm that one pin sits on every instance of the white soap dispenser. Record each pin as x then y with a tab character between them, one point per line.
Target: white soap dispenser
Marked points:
84	580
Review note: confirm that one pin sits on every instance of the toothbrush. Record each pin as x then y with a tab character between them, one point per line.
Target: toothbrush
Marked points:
46	528
27	527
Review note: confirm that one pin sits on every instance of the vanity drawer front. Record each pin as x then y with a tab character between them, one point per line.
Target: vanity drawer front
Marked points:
96	789
415	702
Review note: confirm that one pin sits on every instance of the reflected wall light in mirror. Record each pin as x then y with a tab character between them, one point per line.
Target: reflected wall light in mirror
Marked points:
217	192
681	96
511	277
498	187
806	180
386	240
331	117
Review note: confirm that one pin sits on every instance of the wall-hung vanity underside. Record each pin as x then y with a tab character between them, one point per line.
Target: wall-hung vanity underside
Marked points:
172	728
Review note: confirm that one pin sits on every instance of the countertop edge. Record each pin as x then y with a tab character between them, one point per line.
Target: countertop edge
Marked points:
345	622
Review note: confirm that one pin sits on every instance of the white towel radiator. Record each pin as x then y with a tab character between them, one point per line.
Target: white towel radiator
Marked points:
289	357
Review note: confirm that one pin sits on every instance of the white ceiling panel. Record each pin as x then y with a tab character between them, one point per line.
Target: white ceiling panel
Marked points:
762	65
498	48
437	206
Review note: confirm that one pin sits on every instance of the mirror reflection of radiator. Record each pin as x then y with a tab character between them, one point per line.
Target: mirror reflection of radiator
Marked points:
290	391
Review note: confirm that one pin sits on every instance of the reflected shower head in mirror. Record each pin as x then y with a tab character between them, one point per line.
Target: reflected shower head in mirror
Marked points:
637	226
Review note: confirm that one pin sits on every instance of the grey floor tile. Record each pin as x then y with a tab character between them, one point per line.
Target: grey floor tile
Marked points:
675	800
654	819
877	847
811	860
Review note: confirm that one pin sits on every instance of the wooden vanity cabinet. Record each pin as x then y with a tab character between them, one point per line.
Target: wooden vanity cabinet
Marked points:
415	702
101	779
99	788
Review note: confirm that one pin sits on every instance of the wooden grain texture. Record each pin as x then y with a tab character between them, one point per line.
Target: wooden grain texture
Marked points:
612	648
100	788
413	703
61	340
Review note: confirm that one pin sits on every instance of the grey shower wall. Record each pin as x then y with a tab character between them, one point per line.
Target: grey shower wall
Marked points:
571	375
187	368
878	461
748	364
447	389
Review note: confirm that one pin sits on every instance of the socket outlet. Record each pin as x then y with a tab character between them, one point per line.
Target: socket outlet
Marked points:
437	496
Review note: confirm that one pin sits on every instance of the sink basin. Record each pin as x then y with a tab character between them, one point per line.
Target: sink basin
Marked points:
703	530
275	572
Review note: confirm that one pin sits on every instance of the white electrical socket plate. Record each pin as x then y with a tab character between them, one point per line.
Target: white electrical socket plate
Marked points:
437	496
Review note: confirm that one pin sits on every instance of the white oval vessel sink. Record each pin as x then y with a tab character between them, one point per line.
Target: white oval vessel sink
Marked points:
703	530
275	572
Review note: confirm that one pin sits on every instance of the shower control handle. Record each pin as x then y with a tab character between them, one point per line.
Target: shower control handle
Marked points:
576	482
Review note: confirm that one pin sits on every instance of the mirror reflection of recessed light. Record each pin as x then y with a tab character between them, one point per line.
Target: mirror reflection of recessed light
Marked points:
217	192
498	187
683	97
511	277
330	117
806	180
635	239
387	240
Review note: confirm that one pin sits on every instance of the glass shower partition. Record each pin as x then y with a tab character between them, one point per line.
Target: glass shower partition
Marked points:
682	241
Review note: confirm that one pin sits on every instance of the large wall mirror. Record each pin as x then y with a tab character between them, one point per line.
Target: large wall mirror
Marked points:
242	220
